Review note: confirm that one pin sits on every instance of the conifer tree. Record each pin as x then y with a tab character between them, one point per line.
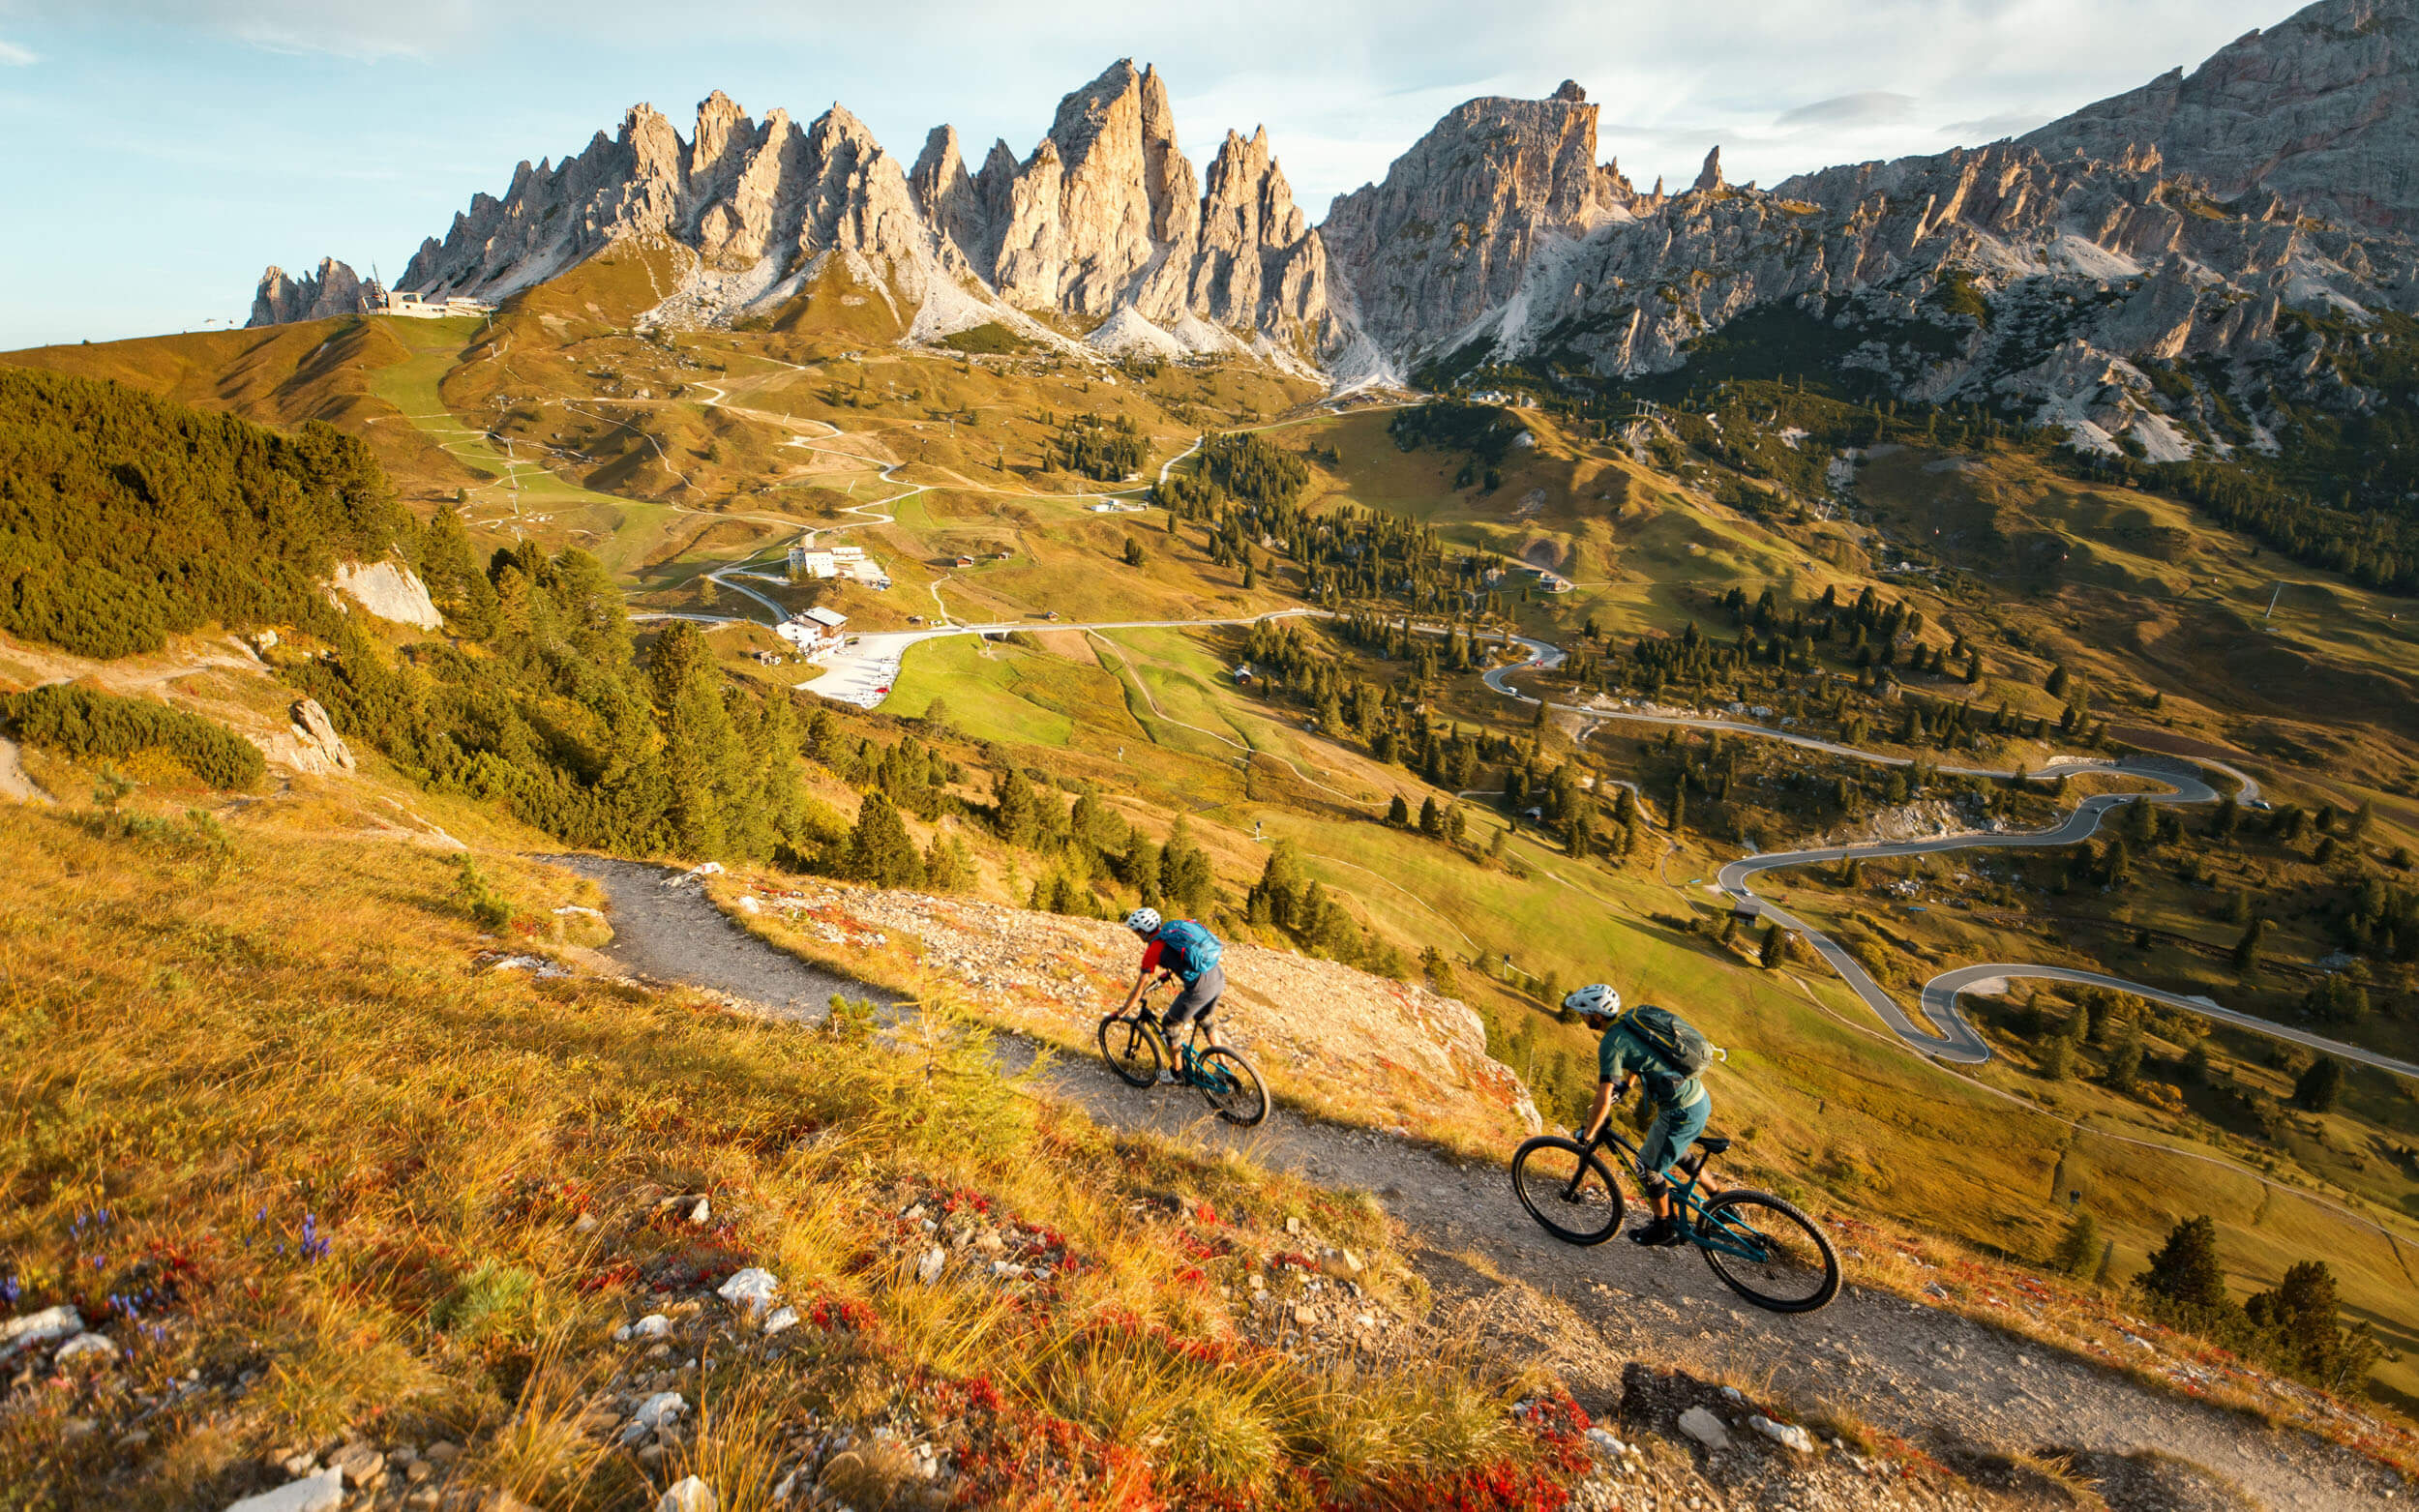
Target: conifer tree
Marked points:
2247	949
2057	1059
2185	1273
2318	1089
1016	813
2079	1249
880	850
1185	876
2125	1062
947	867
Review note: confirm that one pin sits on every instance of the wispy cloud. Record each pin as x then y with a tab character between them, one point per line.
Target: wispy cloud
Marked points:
362	32
1865	108
1991	128
13	57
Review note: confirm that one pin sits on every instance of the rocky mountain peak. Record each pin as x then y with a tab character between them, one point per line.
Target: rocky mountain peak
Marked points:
1106	213
949	198
333	290
1710	176
1447	234
2322	108
1094	207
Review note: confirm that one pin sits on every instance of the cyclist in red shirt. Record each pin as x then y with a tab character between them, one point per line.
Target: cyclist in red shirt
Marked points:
1185	950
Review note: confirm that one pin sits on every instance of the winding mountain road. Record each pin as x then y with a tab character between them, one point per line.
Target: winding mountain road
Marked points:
863	673
1952	1038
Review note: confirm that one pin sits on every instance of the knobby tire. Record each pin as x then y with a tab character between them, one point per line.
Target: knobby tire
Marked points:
1131	1051
1232	1086
1802	1273
1542	1172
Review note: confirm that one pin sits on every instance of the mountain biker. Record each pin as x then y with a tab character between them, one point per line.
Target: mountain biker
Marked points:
1681	1102
1181	949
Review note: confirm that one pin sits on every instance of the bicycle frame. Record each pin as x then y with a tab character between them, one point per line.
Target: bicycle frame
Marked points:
1734	1238
1182	1059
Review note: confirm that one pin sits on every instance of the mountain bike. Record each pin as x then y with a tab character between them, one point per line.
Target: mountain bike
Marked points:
1760	1246
1136	1047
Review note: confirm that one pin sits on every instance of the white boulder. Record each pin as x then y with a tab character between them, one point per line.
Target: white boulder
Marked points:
390	591
1789	1435
751	1290
665	1406
688	1495
323	1491
51	1322
1705	1428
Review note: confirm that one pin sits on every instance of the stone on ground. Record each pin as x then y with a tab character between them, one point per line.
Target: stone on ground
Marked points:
320	1493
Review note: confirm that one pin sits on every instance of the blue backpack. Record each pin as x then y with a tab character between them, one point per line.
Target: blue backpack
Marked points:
1188	948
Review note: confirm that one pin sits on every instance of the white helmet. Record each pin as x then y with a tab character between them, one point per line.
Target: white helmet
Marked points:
1144	921
1596	1001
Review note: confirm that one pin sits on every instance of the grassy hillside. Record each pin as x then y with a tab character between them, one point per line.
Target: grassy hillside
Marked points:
1051	768
1825	1104
125	519
324	1167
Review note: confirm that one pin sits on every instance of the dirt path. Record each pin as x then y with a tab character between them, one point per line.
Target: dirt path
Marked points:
1929	1377
13	780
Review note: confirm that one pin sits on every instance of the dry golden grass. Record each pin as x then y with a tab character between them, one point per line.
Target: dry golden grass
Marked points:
216	1065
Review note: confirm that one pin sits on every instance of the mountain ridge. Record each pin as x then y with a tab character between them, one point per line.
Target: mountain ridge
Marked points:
1106	211
2296	109
2037	276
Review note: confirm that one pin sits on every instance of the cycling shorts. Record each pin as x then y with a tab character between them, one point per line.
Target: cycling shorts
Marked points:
1670	1135
1200	995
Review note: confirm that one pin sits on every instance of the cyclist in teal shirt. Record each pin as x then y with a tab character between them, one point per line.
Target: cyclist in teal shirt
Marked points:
1681	1104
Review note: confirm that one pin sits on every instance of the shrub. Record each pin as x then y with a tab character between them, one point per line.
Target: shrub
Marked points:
87	724
489	908
125	518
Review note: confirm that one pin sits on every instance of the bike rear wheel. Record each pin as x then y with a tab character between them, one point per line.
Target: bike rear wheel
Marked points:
1566	1189
1232	1086
1792	1267
1131	1051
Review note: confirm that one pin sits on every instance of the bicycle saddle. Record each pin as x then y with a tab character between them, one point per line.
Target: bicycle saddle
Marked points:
1713	1143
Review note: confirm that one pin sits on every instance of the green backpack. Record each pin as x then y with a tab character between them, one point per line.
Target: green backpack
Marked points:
1673	1041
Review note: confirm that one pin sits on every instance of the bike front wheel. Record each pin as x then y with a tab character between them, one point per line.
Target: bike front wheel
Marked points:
1566	1189
1131	1051
1232	1086
1768	1252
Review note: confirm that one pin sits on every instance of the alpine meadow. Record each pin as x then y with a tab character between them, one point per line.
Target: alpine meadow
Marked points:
803	827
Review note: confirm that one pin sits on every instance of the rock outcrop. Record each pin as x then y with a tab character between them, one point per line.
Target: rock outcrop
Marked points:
770	199
2319	109
1105	215
309	742
1390	1053
389	590
334	290
1461	219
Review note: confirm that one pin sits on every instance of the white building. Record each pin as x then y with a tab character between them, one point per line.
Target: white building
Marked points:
837	561
818	629
412	307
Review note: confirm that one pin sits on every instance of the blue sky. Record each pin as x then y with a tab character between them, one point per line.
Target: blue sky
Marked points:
164	151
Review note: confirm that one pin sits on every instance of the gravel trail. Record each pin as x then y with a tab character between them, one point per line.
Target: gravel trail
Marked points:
1932	1378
